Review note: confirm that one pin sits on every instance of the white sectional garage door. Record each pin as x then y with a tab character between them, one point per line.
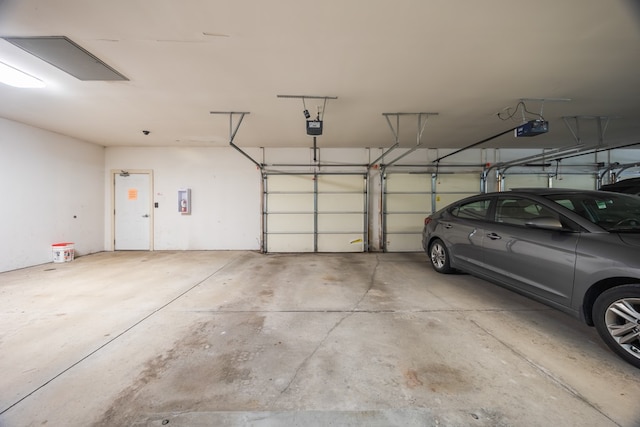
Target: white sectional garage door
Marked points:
409	197
576	181
315	213
526	181
407	200
580	182
455	186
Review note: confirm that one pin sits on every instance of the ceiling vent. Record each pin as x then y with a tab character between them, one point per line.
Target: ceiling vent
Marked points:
66	55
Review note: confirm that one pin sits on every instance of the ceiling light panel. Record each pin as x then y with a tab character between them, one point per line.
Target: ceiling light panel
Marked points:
66	55
13	77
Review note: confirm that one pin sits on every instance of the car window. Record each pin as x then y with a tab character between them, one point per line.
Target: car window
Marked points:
614	212
576	204
518	211
473	210
567	204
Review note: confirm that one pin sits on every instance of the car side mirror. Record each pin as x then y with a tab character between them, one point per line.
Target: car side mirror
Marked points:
545	222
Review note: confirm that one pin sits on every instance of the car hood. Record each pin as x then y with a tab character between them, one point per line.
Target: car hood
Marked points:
632	239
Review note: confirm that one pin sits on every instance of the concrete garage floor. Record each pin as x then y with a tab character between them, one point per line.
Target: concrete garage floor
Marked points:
242	338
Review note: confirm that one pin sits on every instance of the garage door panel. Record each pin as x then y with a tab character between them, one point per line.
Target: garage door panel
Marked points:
328	223
341	242
405	223
341	183
404	243
525	181
408	202
290	243
459	182
443	200
290	183
580	182
290	202
290	223
405	182
340	202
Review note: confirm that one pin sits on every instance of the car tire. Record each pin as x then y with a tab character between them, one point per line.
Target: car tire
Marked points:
439	256
616	315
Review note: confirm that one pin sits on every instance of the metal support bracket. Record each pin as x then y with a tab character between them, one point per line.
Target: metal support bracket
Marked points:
576	131
396	134
234	130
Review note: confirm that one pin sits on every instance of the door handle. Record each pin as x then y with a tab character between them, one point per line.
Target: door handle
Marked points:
145	216
493	236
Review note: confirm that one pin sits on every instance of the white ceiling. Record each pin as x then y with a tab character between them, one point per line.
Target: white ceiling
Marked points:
464	59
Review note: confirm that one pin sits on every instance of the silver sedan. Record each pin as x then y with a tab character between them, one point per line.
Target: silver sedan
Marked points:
575	250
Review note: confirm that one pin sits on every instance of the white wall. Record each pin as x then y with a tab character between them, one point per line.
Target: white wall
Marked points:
58	189
225	194
52	191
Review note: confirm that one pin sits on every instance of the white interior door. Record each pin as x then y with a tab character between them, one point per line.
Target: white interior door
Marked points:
132	212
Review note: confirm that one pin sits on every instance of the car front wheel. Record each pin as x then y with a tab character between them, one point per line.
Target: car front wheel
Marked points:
616	314
439	257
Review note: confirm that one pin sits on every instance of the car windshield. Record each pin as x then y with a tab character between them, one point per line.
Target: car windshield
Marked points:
613	212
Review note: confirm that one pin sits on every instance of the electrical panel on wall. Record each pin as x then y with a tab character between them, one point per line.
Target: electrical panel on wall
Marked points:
184	201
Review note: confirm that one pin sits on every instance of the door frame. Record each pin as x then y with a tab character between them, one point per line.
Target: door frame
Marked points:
113	174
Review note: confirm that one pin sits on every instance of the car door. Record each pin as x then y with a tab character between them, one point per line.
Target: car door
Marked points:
534	260
462	229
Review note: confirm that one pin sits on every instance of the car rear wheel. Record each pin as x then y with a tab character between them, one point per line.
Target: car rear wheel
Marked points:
439	257
616	314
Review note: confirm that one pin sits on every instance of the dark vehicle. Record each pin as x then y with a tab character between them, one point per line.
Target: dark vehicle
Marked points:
627	186
575	250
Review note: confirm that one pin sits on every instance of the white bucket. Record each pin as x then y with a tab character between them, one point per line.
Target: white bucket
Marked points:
69	252
63	252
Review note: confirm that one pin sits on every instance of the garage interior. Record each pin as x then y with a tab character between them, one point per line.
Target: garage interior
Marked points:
244	185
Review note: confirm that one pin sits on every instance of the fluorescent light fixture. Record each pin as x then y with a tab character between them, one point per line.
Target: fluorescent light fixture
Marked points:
68	56
14	77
